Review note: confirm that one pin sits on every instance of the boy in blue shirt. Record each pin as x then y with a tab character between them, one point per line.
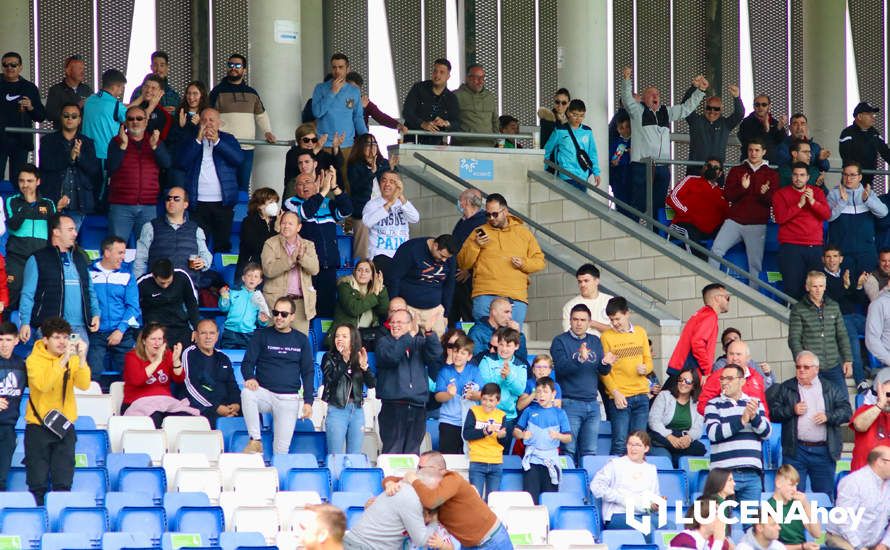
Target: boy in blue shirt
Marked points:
245	306
542	366
542	427
457	387
507	372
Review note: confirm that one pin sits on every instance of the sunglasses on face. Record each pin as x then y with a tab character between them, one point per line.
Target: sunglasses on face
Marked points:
309	139
492	214
72	116
135	118
174	198
685	381
278	313
717	109
10	65
759	104
235	65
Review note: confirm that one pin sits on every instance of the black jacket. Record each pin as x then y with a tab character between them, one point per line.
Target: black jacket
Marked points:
863	146
11	93
13	380
422	105
174	307
342	383
59	175
782	398
403	366
254	234
49	296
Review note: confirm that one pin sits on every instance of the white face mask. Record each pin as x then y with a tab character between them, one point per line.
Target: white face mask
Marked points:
271	209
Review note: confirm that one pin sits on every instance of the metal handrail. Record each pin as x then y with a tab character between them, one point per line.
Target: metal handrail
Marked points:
658	225
458	134
42	131
550	234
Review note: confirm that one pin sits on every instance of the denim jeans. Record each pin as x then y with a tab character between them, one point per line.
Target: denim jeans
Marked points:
485	477
629	419
855	323
499	540
834	375
748	485
99	349
344	429
817	463
481	304
584	419
124	219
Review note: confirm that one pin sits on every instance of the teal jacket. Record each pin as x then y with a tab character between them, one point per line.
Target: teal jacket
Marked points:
243	315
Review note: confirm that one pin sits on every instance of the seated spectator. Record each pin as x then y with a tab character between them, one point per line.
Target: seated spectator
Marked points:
675	425
365	168
763	535
483	426
871	422
346	374
120	316
877	329
387	218
627	482
308	156
738	353
588	277
855	210
150	369
431	106
362	300
245	307
168	297
209	379
799	131
698	204
27	215
69	166
541	367
289	262
719	485
864	489
211	162
554	117
500	314
792	531
509	124
15	380
508	373
846	289
319	217
800	152
619	160
800	210
730	335
277	365
175	237
878	279
709	535
422	272
575	148
457	387
260	224
812	415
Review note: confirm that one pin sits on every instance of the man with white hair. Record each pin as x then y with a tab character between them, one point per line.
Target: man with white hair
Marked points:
737	353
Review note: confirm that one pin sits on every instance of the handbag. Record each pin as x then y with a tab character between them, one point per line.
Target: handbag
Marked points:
583	158
54	421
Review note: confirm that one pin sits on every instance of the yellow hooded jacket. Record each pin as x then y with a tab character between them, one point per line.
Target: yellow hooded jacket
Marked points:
45	375
493	272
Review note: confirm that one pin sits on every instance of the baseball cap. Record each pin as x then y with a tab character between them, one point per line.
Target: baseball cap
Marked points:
865	107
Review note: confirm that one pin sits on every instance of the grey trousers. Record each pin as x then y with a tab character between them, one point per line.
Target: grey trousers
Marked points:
754	237
285	409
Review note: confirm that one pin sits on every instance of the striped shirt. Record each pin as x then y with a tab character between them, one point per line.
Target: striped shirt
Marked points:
734	445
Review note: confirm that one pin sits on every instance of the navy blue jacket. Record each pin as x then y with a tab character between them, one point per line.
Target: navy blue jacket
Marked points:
13	380
402	367
578	379
418	278
480	333
59	174
227	157
209	381
279	361
465	226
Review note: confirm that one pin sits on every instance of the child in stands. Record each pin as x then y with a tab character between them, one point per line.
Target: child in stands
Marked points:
246	308
457	387
542	366
507	372
483	426
792	531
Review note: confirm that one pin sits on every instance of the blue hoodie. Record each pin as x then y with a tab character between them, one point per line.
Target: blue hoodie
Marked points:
13	380
118	297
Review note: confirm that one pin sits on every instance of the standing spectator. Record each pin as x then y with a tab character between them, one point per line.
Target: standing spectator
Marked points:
484	254
364	168
575	148
675	425
469	205
211	162
406	358
245	308
730	335
209	381
508	372
800	151
877	330
556	116
346	374
103	114
749	189
761	126
619	161
20	108
588	277
157	118
871	423
174	237
650	123
860	142
57	284
847	290
737	353
289	263
698	340
72	89
855	209
800	211
457	388
277	365
422	272
362	300
627	482
57	364
370	109
150	370
69	166
241	110
134	165
579	361
15	380
387	218
509	124
817	325
326	529
867	490
319	216
308	157
699	205
483	426
737	425
431	106
27	215
185	126
812	415
160	67
709	133
168	297
500	314
257	227
798	125
337	106
478	108
878	279
120	316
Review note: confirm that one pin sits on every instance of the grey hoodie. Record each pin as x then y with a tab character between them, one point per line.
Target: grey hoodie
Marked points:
384	523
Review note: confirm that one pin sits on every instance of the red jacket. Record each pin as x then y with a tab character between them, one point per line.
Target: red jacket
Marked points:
753	387
800	225
750	206
864	442
698	339
698	202
137	384
135	179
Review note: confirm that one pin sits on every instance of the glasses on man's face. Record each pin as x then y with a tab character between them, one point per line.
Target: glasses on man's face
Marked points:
710	108
761	104
174	198
804	367
850	175
235	65
494	214
10	65
309	139
135	118
71	115
279	313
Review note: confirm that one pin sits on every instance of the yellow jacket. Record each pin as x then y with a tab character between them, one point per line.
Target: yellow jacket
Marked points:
45	375
493	272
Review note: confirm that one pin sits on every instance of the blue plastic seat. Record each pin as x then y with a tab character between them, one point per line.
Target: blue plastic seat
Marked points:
369	480
205	520
150	480
674	486
348	499
229	426
194	541
614	538
336	463
511	480
92	521
28	523
115	462
577	517
16	479
823	500
84	423
594	463
310	479
314	443
231	540
553	500
660	462
604	444
240	438
284	463
174	501
94	444
512	462
64	541
775	445
638	547
18	499
93	481
119	541
115	500
150	521
575	481
692	464
663	537
56	501
353	515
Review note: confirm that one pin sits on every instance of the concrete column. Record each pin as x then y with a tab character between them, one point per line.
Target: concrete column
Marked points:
275	73
583	40
16	33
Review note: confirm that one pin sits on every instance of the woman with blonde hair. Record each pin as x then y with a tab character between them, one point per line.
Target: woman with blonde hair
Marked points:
307	139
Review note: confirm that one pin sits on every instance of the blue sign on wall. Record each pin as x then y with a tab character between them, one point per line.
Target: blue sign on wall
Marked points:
477	169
